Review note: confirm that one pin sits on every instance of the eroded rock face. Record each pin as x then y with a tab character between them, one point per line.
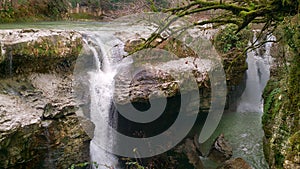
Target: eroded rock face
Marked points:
43	99
34	135
186	72
38	124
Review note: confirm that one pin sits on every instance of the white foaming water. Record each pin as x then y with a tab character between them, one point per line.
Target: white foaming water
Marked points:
257	76
106	52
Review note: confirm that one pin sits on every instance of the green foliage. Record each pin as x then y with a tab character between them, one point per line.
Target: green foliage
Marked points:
152	6
132	165
271	98
30	10
56	8
84	164
227	39
279	159
135	165
294	142
7	13
292	39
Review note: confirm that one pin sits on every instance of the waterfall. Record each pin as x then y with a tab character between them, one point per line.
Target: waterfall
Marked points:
257	76
10	63
107	52
49	161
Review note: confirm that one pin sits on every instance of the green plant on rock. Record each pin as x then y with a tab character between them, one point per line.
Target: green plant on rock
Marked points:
134	165
227	39
84	164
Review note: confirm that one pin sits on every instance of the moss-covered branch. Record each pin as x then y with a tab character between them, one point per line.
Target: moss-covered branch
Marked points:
241	13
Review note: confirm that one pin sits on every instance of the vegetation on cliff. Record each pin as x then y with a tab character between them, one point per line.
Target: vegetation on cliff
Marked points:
31	10
41	10
282	100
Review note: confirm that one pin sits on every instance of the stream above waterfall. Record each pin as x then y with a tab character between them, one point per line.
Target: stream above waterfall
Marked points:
242	128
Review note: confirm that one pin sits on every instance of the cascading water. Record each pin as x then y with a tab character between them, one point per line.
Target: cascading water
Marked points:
10	63
257	76
243	128
106	56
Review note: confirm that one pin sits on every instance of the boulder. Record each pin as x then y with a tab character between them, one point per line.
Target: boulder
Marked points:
170	69
220	150
155	79
191	151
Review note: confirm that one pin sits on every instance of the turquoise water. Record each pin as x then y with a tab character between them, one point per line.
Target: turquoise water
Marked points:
244	133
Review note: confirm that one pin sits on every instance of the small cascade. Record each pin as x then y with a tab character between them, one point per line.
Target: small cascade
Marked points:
49	161
10	63
9	60
257	76
106	59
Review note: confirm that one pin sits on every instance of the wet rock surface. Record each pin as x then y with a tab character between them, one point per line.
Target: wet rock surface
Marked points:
220	150
186	76
192	152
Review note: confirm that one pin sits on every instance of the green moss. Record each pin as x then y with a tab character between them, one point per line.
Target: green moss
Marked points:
231	46
294	149
282	99
227	39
